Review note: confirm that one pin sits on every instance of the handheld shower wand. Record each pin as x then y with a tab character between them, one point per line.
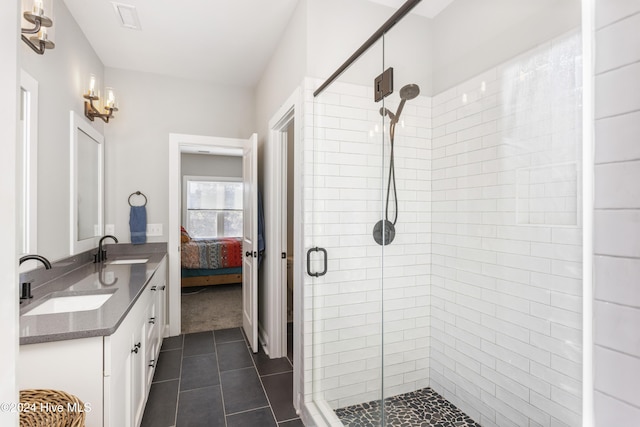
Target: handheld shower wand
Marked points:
384	231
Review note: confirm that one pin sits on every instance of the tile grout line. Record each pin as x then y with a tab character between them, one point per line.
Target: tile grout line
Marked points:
275	373
253	363
249	410
215	349
175	414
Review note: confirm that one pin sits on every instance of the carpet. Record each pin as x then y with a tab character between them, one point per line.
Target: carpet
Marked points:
209	308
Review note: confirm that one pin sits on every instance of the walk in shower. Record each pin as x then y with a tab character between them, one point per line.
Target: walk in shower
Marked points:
444	240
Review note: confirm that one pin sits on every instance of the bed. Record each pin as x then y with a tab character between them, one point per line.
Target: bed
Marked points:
211	261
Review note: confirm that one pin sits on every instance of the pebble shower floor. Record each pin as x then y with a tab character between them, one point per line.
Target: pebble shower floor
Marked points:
421	408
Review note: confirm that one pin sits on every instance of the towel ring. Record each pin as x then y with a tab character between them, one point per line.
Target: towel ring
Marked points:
138	193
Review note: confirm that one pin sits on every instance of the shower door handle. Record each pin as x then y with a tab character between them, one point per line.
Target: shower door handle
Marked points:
324	253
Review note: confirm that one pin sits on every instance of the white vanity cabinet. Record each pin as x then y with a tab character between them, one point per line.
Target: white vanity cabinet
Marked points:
112	373
131	354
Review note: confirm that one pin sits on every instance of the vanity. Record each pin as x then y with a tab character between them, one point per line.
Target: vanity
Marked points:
93	330
96	332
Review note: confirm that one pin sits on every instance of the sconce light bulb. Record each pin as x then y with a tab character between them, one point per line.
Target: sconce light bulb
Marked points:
38	8
111	98
92	85
483	86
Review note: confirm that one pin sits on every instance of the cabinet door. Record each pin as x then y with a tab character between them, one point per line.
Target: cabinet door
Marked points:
124	369
119	352
138	374
153	326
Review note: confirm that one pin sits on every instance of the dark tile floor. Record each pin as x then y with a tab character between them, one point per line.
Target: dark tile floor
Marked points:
212	379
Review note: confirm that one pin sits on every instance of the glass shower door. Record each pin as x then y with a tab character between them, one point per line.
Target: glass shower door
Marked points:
369	250
344	281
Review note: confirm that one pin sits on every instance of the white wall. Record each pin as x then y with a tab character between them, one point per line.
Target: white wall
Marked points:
9	81
137	139
617	214
280	79
283	74
210	165
337	28
470	36
62	74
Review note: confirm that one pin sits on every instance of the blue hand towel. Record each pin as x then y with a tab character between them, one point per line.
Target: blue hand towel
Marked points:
138	225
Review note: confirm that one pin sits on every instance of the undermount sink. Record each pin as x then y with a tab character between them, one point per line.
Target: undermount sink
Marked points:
129	261
66	304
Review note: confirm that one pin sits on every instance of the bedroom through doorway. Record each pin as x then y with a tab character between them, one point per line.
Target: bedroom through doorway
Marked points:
211	241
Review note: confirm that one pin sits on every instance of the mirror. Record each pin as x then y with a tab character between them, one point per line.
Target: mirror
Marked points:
87	190
27	166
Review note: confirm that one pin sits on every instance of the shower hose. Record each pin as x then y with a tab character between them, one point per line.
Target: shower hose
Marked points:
391	183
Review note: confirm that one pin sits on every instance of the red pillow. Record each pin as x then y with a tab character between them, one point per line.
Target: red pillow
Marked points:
184	236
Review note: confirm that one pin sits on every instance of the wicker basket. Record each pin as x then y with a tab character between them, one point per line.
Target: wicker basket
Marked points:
50	408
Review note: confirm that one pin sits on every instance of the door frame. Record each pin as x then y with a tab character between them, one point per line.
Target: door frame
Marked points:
275	210
177	143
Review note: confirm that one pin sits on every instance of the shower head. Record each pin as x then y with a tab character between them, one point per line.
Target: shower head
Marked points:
409	91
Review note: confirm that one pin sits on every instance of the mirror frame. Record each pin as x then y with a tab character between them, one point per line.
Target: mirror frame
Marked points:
78	124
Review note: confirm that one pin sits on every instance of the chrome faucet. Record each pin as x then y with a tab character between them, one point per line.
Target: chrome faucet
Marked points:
101	255
25	287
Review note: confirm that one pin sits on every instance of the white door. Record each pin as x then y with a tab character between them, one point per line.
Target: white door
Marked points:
250	242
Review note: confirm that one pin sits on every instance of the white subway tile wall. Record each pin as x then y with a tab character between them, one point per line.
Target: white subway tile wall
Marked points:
480	294
617	212
352	310
506	300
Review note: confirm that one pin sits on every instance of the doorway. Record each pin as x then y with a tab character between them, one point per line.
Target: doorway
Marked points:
247	150
288	185
211	220
283	217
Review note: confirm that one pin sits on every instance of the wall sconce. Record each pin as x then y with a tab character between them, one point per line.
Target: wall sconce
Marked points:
39	41
91	111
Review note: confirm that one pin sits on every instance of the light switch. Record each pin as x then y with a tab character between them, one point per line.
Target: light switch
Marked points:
154	229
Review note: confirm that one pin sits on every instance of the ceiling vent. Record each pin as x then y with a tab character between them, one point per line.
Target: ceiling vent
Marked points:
127	15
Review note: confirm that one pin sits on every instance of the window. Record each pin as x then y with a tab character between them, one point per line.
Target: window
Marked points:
213	207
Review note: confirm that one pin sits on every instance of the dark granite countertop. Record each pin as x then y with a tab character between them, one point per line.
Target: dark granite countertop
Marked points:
124	281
